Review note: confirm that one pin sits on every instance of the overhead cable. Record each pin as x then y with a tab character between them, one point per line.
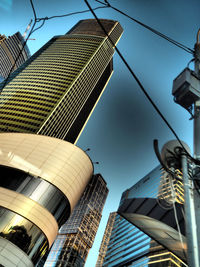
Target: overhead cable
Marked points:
34	12
36	20
182	46
42	24
141	86
73	13
24	44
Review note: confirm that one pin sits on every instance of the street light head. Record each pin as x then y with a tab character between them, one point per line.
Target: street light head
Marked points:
169	152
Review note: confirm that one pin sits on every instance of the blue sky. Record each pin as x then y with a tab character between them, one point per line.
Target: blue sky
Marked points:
121	130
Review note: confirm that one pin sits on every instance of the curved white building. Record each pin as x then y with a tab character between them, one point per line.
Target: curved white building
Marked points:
42	178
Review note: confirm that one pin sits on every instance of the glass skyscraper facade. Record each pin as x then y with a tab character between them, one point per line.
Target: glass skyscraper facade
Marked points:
128	245
76	236
43	108
10	48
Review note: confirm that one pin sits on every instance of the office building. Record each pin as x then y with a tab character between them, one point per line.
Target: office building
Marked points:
43	109
106	239
55	91
76	236
129	243
10	48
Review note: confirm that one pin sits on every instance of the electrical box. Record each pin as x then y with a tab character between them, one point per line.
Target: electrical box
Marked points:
186	88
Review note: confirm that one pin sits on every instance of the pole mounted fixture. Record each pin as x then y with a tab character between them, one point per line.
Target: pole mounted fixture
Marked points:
173	157
186	86
163	163
186	92
170	156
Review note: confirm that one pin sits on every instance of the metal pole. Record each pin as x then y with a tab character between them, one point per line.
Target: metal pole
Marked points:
197	139
197	103
197	129
192	244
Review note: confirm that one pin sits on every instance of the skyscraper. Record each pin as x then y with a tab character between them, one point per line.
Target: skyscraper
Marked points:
128	245
48	98
9	51
77	235
55	91
106	239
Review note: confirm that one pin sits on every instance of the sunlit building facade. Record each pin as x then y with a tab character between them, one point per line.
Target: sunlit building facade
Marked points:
11	48
44	106
76	236
128	245
55	91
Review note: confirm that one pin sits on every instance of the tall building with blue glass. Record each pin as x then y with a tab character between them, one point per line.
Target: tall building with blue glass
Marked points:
128	245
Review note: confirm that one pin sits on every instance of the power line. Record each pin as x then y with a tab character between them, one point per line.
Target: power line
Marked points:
65	15
73	13
140	84
34	12
42	24
185	48
24	44
117	50
36	20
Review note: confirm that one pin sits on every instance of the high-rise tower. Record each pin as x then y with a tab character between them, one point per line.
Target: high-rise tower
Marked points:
49	98
106	239
76	236
128	244
55	91
9	51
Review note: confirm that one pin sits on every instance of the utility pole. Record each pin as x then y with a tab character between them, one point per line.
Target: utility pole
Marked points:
174	156
190	221
186	91
197	103
196	195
